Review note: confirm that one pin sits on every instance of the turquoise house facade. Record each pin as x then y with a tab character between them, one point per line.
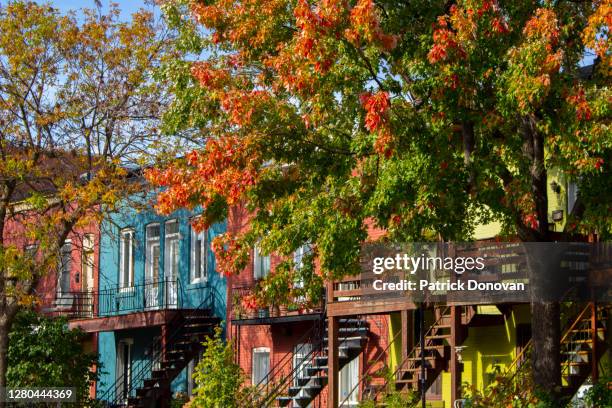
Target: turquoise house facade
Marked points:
155	271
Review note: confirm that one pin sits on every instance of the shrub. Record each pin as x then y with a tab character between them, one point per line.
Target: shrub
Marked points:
220	382
43	352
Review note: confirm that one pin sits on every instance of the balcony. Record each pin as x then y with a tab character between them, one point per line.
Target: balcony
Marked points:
271	314
149	295
73	305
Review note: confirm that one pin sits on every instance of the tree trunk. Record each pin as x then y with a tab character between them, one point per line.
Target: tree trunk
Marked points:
546	334
4	331
545	324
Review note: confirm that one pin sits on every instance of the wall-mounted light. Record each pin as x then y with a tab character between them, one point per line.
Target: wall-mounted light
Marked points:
459	351
557	215
555	187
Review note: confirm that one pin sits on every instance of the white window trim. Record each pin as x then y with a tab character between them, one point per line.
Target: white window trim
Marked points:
88	249
130	343
257	350
347	375
149	253
167	251
203	254
257	273
129	285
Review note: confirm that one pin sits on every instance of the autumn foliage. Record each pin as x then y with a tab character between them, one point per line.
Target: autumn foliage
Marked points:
326	116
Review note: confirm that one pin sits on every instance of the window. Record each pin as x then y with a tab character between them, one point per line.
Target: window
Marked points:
171	250
126	259
298	260
261	365
65	265
199	255
299	254
349	377
152	253
261	263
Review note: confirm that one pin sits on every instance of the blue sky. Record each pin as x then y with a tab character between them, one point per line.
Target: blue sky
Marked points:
127	6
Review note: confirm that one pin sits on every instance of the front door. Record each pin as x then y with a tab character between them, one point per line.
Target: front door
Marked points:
124	367
301	357
348	381
152	278
85	302
171	263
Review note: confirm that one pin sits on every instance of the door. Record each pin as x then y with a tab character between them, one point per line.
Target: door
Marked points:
171	263
348	380
152	278
301	357
124	367
85	302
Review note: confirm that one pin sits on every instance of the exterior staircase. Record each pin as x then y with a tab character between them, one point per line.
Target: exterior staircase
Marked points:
582	346
583	343
149	385
307	380
437	351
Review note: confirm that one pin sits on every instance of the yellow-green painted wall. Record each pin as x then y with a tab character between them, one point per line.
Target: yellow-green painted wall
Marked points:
395	352
556	201
489	350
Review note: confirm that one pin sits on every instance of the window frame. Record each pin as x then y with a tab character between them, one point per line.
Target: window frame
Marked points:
149	277
257	263
126	366
204	253
88	260
254	351
348	377
129	285
167	249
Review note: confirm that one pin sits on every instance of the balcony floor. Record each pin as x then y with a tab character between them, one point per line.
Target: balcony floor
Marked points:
133	320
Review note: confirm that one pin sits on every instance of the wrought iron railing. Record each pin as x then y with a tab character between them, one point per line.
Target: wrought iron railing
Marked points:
149	295
74	305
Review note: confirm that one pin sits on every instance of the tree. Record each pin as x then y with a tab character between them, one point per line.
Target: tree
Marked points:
78	100
219	380
423	118
43	352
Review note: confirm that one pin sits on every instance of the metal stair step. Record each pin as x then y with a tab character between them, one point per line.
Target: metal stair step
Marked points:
284	401
315	379
438	337
303	401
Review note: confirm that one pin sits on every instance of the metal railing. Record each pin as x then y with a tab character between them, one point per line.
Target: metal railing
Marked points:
73	305
149	295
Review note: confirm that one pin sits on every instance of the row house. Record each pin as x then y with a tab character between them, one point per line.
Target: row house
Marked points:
158	298
352	347
145	289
